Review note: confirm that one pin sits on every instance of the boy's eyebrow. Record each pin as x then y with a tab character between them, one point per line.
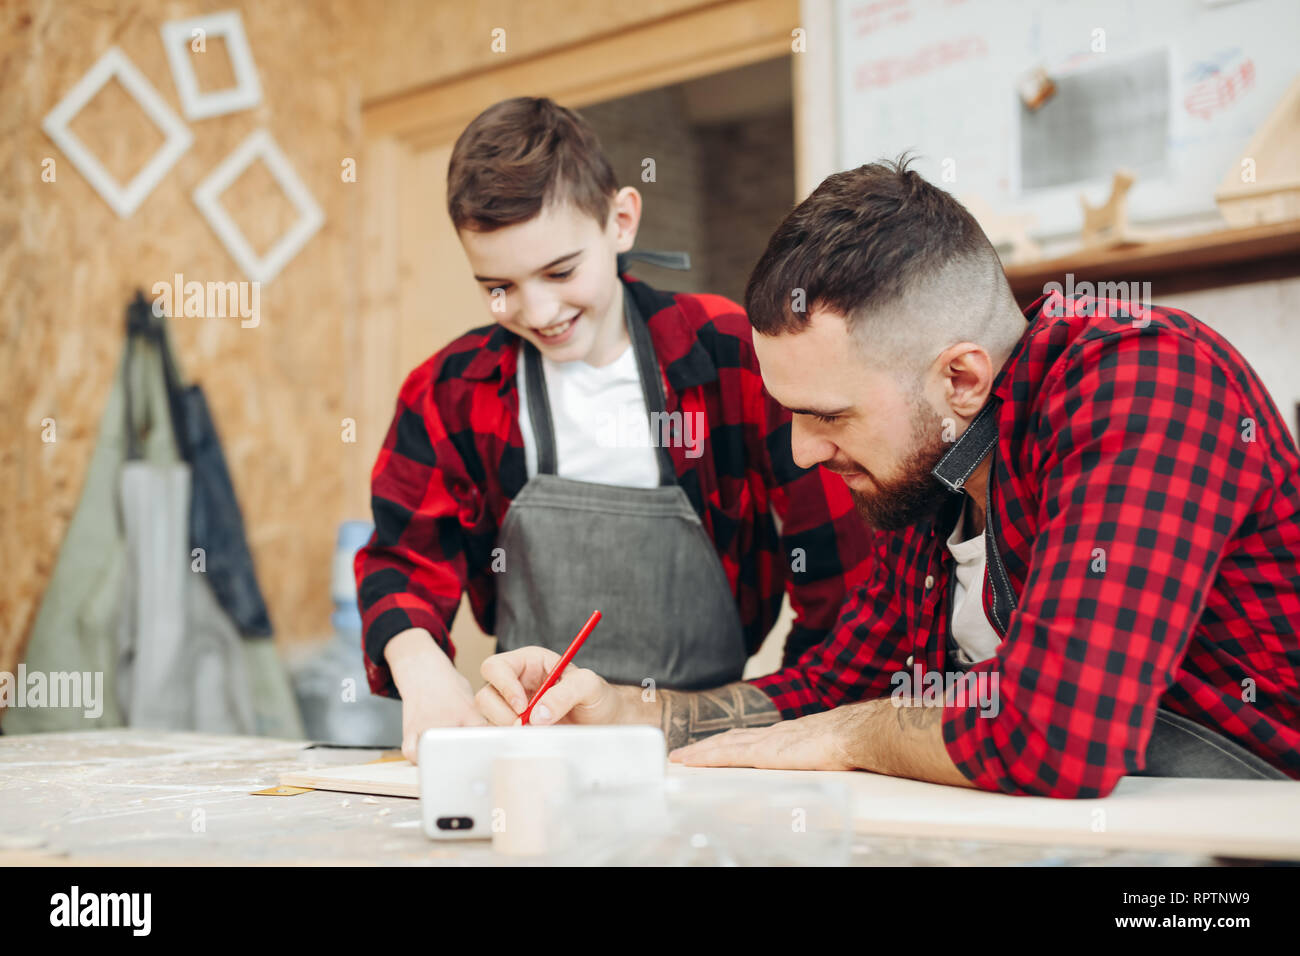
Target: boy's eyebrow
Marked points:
550	265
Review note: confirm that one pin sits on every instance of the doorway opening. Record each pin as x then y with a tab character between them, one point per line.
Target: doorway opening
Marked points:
713	159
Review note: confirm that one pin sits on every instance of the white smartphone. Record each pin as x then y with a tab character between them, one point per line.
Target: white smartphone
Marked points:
456	767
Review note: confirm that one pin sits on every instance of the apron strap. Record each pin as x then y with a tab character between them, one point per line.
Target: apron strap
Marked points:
539	409
539	406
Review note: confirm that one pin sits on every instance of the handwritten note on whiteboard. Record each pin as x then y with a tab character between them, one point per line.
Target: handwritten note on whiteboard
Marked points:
1171	88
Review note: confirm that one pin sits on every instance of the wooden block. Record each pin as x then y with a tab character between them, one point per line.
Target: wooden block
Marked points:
526	791
1106	226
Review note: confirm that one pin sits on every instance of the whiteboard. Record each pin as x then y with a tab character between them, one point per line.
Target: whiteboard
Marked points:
939	77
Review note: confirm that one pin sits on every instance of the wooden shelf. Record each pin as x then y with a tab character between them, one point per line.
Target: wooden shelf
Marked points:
1220	258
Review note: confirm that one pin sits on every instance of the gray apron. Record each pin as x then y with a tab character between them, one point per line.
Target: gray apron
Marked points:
638	555
1180	747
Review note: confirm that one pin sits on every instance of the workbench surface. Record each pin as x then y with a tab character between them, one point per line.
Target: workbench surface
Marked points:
152	797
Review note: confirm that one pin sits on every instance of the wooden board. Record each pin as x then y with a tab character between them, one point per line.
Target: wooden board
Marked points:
1216	817
391	778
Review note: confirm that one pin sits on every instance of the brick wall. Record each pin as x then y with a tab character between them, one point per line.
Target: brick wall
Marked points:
718	191
748	190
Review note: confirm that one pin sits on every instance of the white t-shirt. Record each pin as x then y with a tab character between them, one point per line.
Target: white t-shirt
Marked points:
602	433
976	639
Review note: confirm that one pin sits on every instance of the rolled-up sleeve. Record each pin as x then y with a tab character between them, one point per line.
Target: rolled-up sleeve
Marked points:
868	644
416	565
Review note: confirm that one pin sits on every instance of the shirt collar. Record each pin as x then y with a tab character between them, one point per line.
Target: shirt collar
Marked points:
979	438
961	460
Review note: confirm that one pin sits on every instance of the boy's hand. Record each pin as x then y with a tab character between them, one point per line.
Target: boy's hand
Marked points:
580	696
434	693
451	706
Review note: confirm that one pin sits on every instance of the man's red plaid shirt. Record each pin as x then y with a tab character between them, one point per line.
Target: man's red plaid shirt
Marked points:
1146	507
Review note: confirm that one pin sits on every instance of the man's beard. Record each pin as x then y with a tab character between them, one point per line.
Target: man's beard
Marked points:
915	494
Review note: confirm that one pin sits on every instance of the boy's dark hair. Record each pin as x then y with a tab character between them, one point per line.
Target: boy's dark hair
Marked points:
861	239
520	154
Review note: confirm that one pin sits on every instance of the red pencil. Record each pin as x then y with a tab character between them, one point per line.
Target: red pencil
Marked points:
554	675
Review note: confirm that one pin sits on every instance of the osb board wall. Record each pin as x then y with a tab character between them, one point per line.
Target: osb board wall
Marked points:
68	265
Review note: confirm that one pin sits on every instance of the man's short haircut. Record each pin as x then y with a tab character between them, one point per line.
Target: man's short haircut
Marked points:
521	154
876	237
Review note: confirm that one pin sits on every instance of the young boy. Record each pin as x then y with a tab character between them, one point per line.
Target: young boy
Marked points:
603	446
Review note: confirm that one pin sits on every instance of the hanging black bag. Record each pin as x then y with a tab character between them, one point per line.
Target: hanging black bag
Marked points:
216	523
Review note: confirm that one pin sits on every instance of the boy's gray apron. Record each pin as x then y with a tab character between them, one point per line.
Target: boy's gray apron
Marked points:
639	555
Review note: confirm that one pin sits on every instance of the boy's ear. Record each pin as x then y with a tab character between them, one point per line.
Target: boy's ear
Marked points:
625	216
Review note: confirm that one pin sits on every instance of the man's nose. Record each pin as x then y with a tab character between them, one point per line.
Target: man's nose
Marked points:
806	447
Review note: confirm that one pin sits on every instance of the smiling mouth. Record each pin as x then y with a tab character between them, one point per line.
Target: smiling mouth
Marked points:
558	329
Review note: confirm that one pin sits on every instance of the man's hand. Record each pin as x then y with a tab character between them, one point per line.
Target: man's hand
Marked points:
899	738
434	693
807	743
580	696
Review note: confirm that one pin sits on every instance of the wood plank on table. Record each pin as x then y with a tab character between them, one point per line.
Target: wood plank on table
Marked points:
1246	818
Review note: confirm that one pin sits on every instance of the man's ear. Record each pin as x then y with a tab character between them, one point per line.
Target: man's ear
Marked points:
966	371
625	217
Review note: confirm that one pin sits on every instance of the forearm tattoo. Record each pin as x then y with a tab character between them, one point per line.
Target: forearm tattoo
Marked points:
689	716
917	717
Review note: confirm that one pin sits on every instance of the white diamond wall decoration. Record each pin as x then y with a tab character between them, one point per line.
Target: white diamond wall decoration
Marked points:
247	91
207	196
177	138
